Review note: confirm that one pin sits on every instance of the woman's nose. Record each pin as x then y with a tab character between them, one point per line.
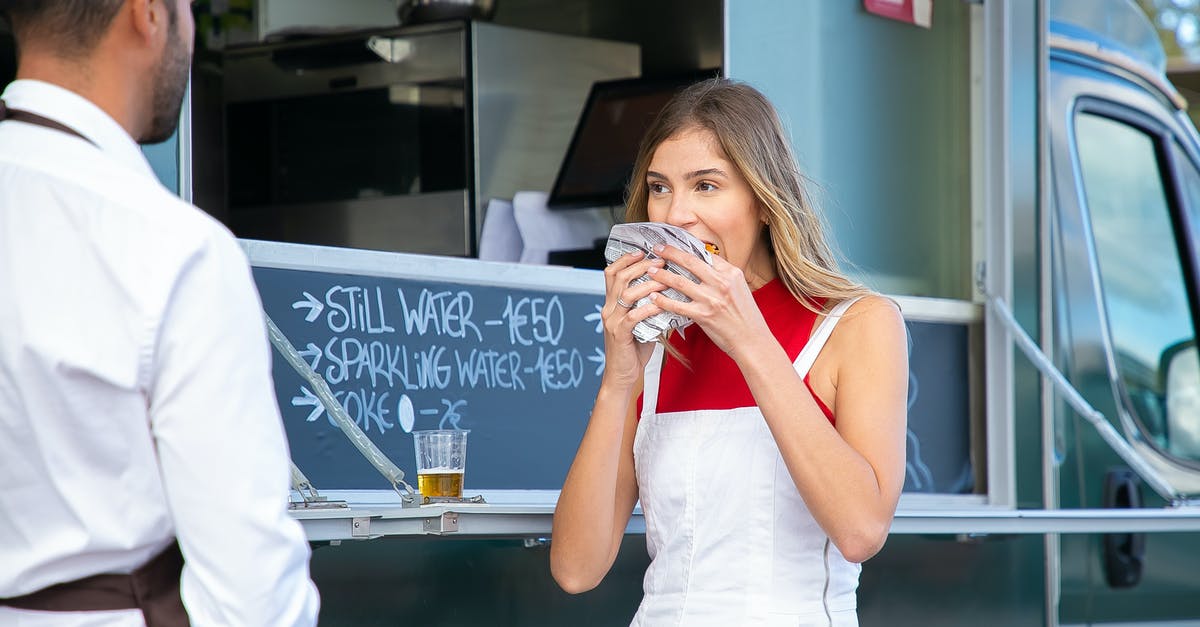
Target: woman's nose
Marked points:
679	213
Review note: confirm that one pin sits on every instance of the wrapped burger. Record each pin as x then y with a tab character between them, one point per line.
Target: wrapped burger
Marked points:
644	236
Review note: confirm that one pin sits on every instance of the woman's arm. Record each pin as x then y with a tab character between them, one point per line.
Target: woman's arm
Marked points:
600	491
851	476
598	496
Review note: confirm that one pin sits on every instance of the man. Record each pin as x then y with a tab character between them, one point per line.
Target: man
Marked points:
136	405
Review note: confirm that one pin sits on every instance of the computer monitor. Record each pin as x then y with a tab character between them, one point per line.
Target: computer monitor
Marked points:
600	156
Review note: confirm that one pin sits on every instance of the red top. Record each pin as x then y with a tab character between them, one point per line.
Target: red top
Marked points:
715	381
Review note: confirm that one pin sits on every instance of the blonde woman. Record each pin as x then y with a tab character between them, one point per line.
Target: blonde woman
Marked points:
766	443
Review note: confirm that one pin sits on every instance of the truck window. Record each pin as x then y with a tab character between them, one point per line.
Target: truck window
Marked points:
1141	273
1183	381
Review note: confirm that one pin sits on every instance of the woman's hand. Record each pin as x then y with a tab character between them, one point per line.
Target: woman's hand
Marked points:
722	303
624	356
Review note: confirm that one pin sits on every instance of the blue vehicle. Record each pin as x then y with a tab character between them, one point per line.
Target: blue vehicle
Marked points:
1054	455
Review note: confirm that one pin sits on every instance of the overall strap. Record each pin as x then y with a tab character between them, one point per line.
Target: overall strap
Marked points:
816	342
650	380
29	117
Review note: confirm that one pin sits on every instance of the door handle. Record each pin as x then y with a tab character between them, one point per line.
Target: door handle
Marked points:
1124	553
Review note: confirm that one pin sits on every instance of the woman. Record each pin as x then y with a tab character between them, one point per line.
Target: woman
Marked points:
768	446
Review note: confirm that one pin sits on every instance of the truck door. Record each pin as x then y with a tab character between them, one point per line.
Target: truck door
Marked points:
1125	219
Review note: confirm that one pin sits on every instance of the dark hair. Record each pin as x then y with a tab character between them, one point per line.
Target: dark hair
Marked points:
749	132
74	26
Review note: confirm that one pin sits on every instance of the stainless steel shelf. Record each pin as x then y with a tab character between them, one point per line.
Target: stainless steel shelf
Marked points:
528	513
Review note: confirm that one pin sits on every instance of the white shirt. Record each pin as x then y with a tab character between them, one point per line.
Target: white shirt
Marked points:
136	402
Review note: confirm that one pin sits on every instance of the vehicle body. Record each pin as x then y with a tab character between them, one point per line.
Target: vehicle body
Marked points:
1122	198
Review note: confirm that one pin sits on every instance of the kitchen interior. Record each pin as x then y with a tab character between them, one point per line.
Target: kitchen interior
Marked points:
391	125
342	124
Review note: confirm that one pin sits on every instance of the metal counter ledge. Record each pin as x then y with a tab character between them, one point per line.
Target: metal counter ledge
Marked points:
527	513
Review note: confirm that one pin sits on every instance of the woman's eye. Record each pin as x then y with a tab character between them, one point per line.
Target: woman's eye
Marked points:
705	186
657	188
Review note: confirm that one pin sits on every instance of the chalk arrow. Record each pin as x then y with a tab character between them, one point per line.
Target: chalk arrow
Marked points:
314	351
309	399
597	318
314	306
598	358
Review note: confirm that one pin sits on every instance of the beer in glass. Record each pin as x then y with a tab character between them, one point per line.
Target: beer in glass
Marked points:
441	461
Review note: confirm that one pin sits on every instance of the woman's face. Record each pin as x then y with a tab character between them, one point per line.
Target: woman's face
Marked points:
693	186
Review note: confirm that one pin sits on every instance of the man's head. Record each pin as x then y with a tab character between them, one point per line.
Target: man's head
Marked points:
132	55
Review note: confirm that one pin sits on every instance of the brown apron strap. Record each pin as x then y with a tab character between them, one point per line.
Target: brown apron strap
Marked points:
90	594
153	588
156	586
32	118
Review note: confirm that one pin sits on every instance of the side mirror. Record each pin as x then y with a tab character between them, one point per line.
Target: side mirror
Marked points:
1182	374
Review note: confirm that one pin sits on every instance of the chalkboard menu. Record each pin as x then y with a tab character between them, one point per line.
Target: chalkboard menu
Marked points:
403	349
512	353
937	455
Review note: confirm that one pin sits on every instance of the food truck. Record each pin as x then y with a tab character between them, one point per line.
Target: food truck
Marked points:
1022	177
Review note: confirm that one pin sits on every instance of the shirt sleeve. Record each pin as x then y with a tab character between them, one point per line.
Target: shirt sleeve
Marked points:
223	451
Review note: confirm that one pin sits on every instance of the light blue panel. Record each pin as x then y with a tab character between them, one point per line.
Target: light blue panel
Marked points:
878	111
164	158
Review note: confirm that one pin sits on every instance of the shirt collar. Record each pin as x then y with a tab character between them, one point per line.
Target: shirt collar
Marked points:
80	114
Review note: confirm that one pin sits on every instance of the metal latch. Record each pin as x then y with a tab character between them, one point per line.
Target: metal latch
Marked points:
360	527
449	500
446	523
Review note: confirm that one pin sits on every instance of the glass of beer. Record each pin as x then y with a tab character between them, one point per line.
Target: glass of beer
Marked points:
441	461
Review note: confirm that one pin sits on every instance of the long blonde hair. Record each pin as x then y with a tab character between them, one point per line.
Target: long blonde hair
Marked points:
752	138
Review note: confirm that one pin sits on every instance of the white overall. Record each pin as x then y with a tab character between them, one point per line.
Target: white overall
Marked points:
731	541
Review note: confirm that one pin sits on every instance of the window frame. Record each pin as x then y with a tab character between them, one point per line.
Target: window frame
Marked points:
1163	136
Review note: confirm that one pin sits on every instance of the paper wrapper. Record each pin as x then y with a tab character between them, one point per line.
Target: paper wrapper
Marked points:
644	236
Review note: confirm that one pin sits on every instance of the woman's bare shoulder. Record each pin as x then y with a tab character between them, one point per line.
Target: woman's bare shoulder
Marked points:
871	321
873	303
